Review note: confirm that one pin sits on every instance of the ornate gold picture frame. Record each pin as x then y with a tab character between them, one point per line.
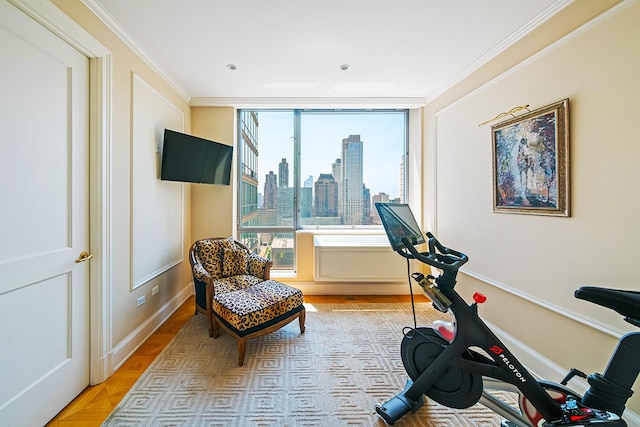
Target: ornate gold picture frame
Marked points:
531	162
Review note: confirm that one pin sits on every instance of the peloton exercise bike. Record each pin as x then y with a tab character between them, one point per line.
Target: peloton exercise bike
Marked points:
460	363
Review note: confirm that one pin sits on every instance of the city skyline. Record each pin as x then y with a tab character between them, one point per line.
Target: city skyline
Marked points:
341	195
341	172
322	136
310	181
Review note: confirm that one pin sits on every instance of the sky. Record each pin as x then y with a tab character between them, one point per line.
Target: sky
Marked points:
383	136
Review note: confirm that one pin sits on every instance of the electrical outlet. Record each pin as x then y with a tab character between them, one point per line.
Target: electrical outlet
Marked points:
155	289
141	300
157	146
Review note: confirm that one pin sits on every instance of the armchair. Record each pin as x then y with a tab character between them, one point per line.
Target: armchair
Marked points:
234	290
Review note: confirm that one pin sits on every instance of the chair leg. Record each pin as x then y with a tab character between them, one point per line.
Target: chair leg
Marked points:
242	349
211	324
301	319
216	328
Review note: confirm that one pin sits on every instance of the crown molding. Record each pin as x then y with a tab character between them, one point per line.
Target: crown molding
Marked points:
277	102
62	26
538	20
114	26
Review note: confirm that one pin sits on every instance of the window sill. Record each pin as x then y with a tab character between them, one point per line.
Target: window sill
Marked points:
343	231
284	274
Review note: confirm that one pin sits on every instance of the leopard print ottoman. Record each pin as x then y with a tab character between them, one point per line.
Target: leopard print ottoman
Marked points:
256	305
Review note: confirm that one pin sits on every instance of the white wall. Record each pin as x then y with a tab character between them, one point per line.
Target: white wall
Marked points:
213	206
529	266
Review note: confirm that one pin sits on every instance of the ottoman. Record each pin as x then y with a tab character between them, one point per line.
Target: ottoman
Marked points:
256	310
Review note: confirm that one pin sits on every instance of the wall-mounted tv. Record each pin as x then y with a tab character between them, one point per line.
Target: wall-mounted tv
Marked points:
188	158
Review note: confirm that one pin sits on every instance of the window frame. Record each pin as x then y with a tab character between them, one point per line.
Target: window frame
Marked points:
296	163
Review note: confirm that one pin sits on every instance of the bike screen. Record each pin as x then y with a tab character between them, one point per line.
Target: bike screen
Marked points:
398	222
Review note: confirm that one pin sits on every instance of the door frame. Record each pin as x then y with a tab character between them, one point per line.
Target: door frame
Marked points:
100	101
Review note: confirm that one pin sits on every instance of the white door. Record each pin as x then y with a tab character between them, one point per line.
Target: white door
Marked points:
44	294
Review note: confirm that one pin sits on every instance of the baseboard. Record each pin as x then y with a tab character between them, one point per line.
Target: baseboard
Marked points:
543	367
125	348
632	419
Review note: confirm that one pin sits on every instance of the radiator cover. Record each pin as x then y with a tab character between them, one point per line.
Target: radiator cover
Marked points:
360	258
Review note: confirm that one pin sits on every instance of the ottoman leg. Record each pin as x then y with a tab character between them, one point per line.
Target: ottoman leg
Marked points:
301	318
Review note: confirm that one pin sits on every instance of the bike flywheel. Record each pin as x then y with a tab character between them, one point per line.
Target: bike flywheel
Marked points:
455	388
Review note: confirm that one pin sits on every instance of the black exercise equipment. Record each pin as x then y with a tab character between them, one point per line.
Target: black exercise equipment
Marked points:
461	363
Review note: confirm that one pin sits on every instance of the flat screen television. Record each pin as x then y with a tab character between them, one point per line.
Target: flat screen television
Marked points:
187	158
398	222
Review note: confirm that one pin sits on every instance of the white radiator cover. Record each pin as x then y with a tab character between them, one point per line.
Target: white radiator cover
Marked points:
356	258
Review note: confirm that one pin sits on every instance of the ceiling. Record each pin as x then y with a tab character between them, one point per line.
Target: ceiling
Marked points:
295	48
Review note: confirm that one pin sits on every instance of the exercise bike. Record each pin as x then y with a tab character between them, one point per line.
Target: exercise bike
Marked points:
462	362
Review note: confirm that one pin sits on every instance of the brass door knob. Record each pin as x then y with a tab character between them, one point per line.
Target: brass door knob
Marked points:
84	255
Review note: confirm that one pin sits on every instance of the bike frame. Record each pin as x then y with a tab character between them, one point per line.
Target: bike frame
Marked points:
496	366
473	332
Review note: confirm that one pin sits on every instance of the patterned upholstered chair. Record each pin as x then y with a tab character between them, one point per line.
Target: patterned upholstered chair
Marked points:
234	290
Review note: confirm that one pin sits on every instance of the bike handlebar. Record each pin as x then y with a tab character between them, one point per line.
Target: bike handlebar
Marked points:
438	256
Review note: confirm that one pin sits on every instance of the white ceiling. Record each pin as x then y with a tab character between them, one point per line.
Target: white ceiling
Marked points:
294	48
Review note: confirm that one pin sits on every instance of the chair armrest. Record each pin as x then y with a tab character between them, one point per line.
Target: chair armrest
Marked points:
259	266
200	273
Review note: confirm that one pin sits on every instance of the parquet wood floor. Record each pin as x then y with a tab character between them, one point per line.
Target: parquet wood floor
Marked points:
95	403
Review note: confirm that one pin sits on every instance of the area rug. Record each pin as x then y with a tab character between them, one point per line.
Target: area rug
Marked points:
347	360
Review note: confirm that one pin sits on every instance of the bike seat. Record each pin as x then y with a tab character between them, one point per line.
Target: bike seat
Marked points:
624	302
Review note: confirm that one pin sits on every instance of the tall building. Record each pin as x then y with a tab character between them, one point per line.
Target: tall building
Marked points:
351	181
266	218
249	176
271	191
326	197
284	202
336	171
378	198
366	206
308	183
306	202
283	174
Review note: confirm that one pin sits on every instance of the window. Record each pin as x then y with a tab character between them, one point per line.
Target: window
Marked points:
315	169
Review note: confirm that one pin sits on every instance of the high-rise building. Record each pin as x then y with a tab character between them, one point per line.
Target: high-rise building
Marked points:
378	198
351	183
284	203
306	202
366	206
326	198
308	183
336	171
283	174
266	218
271	191
249	176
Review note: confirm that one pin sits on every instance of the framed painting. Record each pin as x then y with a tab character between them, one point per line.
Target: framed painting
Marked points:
531	162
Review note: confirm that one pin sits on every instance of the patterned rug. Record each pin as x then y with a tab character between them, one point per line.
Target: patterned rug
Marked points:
332	375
